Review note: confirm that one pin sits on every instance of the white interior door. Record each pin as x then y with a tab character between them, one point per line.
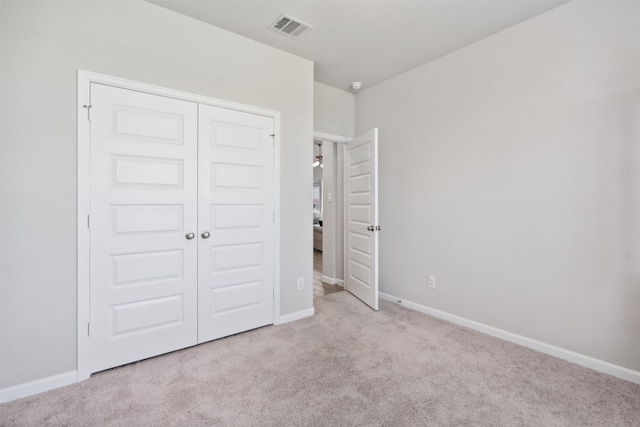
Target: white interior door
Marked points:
143	270
236	222
361	217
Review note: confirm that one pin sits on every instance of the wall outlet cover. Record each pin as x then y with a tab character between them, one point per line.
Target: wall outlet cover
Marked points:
432	282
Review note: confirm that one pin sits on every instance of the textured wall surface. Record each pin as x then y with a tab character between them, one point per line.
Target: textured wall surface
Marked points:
510	170
44	43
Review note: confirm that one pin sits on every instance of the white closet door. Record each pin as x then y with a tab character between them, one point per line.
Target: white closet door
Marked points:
143	203
235	207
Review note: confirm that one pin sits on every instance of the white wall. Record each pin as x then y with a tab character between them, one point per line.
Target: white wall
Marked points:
332	235
510	170
43	45
333	110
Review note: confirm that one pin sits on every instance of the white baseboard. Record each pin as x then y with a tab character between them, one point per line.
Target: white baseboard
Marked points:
332	280
37	386
294	316
60	380
329	280
561	353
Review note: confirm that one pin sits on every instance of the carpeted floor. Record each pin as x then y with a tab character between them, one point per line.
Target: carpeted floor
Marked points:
345	366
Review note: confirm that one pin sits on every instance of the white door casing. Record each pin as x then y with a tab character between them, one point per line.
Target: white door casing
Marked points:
236	209
361	217
143	202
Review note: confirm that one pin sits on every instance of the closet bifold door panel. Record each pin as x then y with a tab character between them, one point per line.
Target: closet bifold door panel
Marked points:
181	224
143	203
235	207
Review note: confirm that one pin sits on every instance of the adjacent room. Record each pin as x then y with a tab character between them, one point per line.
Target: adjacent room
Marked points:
328	212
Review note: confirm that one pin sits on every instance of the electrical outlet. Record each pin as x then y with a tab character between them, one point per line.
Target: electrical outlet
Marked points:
432	282
300	283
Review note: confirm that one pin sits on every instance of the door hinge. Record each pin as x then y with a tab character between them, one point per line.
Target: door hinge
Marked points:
274	217
88	107
89	329
88	221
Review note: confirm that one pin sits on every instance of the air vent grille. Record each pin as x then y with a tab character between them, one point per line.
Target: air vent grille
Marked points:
290	26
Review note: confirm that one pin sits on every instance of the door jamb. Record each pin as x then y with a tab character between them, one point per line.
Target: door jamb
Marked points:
331	138
85	78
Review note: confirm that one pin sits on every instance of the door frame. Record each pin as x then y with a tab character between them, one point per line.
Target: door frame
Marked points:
340	142
85	78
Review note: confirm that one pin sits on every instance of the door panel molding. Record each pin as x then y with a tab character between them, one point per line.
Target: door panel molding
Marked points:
85	79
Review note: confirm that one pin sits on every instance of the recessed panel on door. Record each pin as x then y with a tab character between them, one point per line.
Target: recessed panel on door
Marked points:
361	243
130	123
143	316
360	184
236	216
360	214
360	154
236	297
236	257
233	177
147	267
360	273
147	172
148	218
235	137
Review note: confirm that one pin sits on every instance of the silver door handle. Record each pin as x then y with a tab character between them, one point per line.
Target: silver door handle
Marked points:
205	234
190	236
370	228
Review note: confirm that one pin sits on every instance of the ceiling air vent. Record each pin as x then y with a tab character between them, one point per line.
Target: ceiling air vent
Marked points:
290	26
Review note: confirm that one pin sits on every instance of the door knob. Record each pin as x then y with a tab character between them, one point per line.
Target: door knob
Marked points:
370	228
190	236
205	234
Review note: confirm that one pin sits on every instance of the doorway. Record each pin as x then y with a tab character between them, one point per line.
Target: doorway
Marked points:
322	218
349	210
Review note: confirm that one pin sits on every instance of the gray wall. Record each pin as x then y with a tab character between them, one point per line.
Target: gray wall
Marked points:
510	170
43	45
333	110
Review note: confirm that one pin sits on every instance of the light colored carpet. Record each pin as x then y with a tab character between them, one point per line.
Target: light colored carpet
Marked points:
347	365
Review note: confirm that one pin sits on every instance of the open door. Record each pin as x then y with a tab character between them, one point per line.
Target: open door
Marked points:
361	217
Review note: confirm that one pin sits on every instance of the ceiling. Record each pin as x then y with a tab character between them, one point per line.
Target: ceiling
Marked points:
365	40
